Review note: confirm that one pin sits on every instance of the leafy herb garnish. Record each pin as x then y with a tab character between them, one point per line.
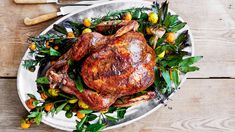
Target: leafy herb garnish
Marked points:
42	80
31	96
54	52
121	113
80	124
79	84
95	127
58	109
171	61
86	111
30	64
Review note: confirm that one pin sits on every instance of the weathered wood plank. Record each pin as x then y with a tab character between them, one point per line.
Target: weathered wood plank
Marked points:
200	105
213	27
212	23
11	110
14	33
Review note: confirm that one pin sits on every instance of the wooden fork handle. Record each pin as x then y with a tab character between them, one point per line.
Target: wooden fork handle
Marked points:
34	1
40	19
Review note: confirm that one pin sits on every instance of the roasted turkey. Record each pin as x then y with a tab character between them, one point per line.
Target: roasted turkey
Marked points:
114	66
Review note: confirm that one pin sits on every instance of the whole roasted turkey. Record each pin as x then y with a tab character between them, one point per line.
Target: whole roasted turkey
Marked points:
115	66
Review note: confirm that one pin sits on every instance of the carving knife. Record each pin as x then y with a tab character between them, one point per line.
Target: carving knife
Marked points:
64	10
78	2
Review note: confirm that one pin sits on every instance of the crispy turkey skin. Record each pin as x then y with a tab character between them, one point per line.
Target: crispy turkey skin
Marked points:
117	65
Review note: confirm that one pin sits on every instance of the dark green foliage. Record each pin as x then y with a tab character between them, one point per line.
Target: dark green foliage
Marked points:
167	70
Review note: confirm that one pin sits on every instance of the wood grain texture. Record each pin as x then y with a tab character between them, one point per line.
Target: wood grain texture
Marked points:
30	1
11	109
14	34
203	105
212	23
213	27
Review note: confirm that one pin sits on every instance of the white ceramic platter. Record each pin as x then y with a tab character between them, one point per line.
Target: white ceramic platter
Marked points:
26	79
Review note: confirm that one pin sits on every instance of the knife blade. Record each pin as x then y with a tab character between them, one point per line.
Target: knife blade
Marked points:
78	3
82	3
64	10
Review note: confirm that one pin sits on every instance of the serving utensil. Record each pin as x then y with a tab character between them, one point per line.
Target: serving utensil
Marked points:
64	10
26	79
59	2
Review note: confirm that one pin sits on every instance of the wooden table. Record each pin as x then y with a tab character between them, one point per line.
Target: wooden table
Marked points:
206	102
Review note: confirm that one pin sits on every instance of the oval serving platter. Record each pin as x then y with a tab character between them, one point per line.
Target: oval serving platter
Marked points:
26	79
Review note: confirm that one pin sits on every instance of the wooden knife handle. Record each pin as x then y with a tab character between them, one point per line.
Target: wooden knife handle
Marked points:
30	1
40	19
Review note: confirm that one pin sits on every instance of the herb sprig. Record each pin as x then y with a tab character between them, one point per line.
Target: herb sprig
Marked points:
172	60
